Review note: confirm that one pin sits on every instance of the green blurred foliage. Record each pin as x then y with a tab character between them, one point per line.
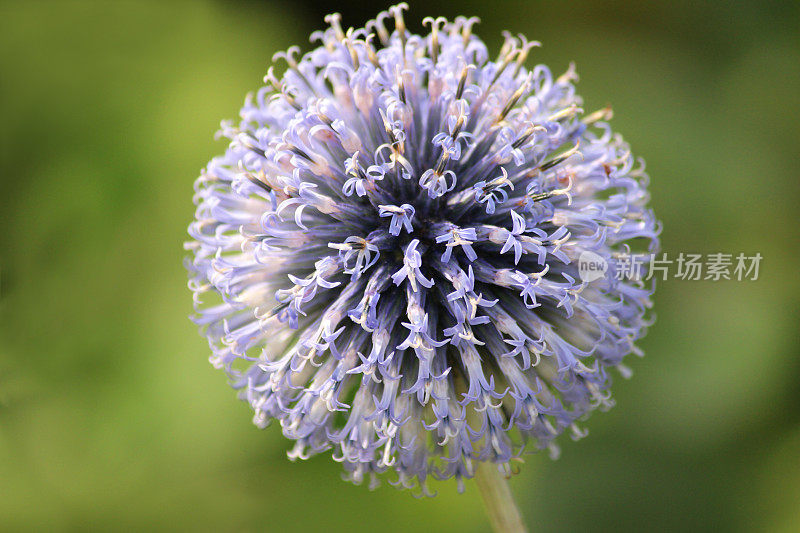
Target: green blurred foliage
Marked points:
110	417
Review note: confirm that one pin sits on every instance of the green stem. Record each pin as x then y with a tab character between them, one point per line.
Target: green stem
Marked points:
493	486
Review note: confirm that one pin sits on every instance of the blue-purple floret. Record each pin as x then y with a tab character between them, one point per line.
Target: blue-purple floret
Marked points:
385	258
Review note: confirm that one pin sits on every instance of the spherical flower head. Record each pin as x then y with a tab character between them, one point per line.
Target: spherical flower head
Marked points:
385	259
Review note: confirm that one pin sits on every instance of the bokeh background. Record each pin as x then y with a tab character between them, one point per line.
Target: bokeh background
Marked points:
111	417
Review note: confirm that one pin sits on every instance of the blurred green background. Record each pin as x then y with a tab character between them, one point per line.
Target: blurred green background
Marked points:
111	417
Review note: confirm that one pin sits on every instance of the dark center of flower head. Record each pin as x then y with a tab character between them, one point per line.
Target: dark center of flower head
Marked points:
392	237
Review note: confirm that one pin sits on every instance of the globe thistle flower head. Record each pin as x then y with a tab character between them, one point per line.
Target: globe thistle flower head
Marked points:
384	260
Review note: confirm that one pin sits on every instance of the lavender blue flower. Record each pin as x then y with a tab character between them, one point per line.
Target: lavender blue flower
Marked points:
384	260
